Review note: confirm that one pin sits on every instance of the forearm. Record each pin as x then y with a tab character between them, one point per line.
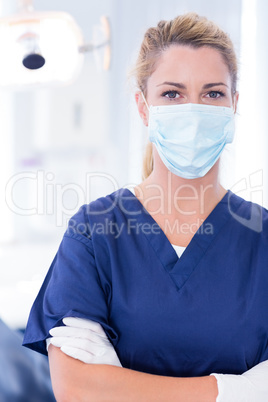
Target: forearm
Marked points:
76	381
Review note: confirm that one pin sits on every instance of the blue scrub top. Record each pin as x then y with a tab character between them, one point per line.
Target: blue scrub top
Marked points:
204	312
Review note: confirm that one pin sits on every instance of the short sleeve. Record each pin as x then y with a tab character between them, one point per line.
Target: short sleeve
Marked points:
72	288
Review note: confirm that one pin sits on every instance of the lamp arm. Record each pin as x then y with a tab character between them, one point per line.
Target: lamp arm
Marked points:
89	47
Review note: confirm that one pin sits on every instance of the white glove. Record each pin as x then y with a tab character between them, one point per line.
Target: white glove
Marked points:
84	340
251	386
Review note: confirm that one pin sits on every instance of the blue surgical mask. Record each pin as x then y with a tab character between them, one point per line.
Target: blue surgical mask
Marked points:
190	137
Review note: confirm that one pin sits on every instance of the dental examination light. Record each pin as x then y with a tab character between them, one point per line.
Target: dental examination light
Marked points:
46	48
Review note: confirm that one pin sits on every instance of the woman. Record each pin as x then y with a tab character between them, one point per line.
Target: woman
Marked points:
172	279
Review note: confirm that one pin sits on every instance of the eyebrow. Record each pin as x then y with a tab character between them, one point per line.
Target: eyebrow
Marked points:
174	84
214	84
182	86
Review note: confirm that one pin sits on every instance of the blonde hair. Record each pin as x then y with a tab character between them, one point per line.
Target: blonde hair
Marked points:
189	29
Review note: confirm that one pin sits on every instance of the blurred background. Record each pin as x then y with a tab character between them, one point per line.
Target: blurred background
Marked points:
64	145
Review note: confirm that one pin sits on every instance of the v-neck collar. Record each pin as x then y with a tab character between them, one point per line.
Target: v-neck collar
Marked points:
180	269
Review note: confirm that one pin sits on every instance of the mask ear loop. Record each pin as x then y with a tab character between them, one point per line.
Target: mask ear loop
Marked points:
145	101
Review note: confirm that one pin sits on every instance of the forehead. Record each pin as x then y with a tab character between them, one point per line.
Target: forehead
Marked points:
184	63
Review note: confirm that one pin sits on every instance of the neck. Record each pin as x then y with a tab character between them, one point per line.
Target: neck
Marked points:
165	193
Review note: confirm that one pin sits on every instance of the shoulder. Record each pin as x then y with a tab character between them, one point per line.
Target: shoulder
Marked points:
248	215
114	206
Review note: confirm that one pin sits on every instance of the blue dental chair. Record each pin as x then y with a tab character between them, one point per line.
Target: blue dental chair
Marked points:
24	374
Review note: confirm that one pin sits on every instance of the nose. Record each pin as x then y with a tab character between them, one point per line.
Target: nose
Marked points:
194	98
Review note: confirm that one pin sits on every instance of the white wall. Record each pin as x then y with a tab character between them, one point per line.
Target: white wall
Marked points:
250	175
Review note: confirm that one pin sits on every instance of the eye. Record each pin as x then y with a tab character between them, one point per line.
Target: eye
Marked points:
171	94
215	94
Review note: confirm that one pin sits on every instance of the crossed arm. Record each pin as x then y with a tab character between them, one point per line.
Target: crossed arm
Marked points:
104	379
75	381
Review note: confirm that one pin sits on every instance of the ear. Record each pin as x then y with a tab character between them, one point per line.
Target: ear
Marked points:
142	108
235	101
